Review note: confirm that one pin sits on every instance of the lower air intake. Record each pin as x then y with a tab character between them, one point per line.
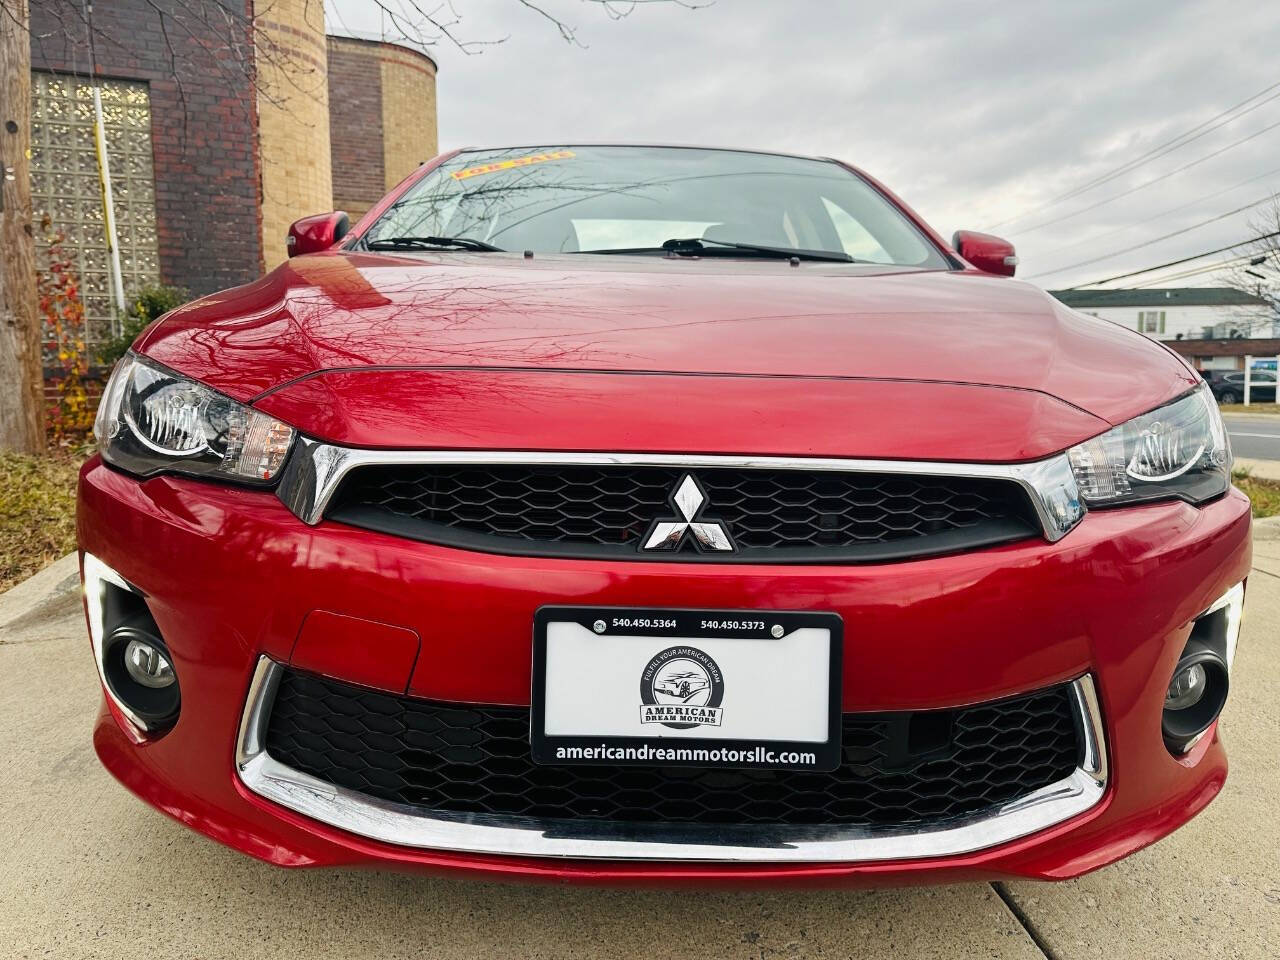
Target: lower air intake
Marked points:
899	769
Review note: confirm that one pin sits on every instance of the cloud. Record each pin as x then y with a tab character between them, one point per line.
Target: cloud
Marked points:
973	113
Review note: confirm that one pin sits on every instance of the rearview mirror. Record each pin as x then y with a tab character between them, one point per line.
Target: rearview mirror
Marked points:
320	232
989	254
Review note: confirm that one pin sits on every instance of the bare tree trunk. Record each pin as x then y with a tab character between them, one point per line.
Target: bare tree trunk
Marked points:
21	375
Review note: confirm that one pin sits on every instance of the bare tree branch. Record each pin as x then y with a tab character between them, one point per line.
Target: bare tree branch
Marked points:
1256	270
567	33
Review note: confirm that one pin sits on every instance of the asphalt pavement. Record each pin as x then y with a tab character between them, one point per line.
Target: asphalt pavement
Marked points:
1254	436
86	870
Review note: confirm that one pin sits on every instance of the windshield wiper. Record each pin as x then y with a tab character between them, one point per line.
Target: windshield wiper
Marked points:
696	246
799	254
419	243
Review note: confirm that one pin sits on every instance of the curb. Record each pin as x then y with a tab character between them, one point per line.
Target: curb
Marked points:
47	592
1266	528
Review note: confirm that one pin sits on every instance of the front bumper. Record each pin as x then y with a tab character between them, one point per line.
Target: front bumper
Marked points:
230	575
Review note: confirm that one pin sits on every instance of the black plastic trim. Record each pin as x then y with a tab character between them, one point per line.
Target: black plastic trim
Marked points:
987	533
158	708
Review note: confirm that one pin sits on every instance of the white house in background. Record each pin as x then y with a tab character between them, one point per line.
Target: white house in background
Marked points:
1180	313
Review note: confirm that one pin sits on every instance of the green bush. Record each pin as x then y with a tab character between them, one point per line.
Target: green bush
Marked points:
148	304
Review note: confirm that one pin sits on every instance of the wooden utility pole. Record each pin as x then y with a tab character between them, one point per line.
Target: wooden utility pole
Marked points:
21	371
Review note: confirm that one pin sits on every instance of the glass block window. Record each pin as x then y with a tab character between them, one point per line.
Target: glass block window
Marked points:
64	184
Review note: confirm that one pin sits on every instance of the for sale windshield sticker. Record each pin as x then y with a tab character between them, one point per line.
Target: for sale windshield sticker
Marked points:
512	164
681	688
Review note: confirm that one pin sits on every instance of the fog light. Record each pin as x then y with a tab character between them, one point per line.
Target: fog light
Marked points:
139	672
1197	693
1186	689
1198	689
148	665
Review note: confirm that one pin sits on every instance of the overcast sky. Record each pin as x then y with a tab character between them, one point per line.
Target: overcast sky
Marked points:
974	112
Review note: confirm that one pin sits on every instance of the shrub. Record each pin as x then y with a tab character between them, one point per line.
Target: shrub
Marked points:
69	415
148	304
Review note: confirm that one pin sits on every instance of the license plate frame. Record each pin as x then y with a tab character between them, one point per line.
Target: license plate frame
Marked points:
658	740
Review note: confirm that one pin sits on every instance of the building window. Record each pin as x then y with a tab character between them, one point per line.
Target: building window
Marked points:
1151	321
1216	363
64	185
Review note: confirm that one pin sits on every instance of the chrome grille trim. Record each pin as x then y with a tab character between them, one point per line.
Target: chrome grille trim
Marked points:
522	836
315	469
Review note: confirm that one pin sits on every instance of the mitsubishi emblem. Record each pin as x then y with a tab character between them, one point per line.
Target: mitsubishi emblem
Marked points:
689	499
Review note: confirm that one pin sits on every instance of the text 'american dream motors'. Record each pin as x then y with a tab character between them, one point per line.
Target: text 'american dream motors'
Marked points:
681	688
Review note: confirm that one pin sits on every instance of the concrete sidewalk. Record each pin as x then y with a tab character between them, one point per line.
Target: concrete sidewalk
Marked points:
88	871
1262	469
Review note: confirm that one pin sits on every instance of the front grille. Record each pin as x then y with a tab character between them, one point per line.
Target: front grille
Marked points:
773	515
899	769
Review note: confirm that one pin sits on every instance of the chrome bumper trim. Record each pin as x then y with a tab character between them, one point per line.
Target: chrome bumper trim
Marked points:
315	469
516	836
94	578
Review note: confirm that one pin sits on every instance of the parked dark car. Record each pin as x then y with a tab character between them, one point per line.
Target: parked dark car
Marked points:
1229	387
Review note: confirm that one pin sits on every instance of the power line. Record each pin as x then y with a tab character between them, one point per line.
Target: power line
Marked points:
1231	263
1148	243
1174	263
1178	209
1186	274
1158	152
1196	271
1147	183
1182	139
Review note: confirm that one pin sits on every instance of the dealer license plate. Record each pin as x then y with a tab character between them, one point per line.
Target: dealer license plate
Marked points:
703	688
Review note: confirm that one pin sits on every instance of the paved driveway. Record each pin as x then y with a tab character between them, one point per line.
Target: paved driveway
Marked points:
87	871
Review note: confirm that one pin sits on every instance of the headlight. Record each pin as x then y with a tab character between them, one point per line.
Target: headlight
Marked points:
1178	450
154	421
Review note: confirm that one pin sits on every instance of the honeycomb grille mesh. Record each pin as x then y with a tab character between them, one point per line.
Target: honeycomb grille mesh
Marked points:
898	769
615	505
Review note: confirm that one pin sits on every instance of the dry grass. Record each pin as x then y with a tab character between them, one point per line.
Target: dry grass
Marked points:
1263	494
37	513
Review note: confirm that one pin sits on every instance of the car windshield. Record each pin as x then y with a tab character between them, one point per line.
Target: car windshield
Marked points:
601	199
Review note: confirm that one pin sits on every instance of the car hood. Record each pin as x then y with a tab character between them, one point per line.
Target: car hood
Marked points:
315	331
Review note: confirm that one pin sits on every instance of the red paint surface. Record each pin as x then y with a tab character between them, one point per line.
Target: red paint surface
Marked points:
987	253
351	311
1115	597
513	410
356	649
315	233
622	353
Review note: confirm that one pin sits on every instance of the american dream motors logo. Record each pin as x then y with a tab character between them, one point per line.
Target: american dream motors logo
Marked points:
681	688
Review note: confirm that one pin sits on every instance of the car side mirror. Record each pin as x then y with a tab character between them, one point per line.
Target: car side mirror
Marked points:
311	234
989	254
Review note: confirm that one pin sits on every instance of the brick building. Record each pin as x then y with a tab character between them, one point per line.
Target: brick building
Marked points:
221	130
1206	355
373	86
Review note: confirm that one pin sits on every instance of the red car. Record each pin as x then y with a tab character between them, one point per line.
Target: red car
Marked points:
387	554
